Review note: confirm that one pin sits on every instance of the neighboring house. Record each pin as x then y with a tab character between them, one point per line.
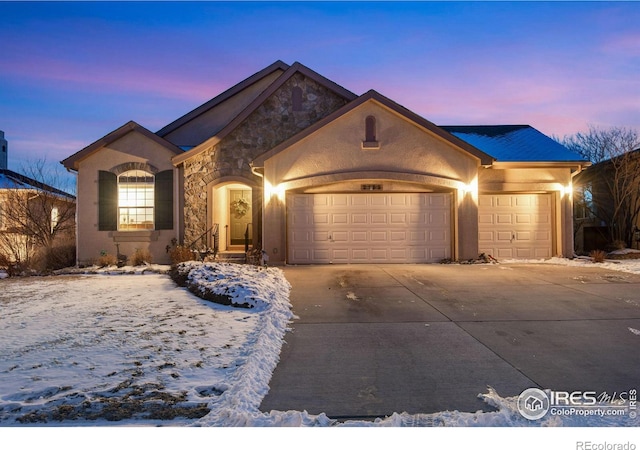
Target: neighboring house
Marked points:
313	173
607	204
32	212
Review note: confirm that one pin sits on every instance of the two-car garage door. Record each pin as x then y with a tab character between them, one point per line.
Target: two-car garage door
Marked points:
368	227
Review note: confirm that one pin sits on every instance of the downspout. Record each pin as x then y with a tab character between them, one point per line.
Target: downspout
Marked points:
76	172
254	170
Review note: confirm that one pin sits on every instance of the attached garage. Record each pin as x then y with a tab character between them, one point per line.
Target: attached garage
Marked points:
368	227
516	225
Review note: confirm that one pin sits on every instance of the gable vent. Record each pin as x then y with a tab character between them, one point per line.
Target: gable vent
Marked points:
370	187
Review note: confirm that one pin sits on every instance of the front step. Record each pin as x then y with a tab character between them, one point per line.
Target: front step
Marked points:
232	257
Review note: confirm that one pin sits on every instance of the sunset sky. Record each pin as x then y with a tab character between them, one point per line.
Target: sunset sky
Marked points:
71	72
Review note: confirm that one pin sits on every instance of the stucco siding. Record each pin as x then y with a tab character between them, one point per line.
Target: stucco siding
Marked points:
404	148
131	148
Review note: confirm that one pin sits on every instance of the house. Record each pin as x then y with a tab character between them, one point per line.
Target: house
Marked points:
290	162
607	204
34	216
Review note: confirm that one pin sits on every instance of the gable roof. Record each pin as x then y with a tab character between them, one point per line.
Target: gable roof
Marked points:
72	161
276	66
484	158
13	180
513	143
273	87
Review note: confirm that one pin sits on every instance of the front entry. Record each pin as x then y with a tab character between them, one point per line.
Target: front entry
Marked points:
240	216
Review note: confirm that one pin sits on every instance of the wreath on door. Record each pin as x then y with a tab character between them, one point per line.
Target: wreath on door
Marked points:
240	207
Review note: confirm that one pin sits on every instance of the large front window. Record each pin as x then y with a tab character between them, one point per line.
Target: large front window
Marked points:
135	200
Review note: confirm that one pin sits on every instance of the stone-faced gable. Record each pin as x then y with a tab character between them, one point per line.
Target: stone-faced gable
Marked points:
273	122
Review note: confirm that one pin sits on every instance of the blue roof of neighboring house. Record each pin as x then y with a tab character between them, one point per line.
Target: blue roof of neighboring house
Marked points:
13	180
513	143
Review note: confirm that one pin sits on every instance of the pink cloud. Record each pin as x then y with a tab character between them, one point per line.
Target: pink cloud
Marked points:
103	78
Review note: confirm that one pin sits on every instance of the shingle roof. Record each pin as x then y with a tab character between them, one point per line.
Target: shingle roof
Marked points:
513	143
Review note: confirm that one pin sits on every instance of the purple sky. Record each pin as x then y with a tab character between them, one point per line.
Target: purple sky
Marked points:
72	72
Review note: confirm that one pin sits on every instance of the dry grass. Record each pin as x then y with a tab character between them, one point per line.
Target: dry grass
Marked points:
598	256
106	260
180	253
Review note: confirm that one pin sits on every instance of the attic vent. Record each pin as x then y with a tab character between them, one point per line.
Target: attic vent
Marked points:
370	187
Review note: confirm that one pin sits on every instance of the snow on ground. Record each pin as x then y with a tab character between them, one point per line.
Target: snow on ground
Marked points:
113	349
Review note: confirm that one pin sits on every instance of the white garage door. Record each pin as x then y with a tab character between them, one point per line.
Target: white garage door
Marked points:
368	228
515	226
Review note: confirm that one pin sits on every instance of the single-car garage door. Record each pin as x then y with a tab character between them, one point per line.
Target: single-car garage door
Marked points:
516	225
368	228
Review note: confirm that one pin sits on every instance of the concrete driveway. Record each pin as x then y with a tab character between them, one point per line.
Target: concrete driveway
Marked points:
371	340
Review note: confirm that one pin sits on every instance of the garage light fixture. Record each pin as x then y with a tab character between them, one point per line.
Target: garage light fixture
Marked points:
566	190
274	191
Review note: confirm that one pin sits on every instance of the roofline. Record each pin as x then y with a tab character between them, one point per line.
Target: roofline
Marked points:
72	161
529	164
277	84
485	159
37	185
278	65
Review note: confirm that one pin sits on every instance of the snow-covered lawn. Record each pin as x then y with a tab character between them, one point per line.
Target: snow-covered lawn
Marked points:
118	349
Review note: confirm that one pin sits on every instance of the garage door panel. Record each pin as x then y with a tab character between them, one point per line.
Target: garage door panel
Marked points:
398	236
379	200
340	236
320	236
359	219
359	236
368	227
360	255
438	253
437	236
379	236
438	218
337	218
320	200
337	200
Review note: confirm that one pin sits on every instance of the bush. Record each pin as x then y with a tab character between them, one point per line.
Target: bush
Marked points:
56	257
597	256
140	257
106	260
180	253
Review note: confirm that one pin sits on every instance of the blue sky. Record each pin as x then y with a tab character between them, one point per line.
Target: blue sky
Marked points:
71	72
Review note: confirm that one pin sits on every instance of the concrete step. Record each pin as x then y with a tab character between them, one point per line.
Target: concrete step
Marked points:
233	257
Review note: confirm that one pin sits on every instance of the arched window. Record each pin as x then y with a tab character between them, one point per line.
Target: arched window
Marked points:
370	129
370	134
296	98
135	200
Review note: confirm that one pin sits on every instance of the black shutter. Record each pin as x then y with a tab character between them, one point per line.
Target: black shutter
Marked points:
164	200
107	201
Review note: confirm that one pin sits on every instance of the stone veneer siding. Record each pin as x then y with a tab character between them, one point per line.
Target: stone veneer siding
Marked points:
272	123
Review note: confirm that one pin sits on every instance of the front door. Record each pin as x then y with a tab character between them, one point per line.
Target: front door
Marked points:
240	215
